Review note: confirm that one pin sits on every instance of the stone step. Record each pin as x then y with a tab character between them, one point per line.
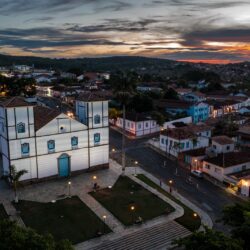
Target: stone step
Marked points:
150	238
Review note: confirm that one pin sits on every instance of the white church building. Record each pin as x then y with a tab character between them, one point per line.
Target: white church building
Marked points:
48	143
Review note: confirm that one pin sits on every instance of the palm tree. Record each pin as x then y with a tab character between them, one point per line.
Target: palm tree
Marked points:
15	178
123	89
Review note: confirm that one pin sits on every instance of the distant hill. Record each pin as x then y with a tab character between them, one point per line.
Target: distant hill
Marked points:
102	64
155	67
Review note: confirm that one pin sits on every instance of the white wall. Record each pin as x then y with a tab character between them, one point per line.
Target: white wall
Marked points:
28	164
139	128
187	144
218	172
218	148
99	155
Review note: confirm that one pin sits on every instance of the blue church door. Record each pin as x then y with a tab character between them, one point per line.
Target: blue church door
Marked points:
64	165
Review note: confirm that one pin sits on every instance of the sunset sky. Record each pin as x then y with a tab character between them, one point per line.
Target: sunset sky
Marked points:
216	31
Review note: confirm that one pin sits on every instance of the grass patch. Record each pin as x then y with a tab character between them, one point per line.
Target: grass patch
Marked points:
187	220
127	193
69	219
3	213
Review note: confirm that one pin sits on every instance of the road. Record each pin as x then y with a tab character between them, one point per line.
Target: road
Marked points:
205	195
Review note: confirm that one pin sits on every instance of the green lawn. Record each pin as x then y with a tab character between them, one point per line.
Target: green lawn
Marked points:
187	220
127	193
69	219
3	214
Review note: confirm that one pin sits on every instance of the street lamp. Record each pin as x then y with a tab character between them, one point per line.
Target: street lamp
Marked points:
104	217
132	209
196	162
94	182
195	215
113	150
69	185
170	186
136	163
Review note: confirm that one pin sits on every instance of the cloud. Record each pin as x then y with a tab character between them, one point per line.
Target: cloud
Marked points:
29	6
119	25
39	19
218	35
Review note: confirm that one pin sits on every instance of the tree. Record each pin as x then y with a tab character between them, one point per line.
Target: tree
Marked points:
159	117
15	237
141	103
114	114
123	87
209	240
171	94
238	217
15	178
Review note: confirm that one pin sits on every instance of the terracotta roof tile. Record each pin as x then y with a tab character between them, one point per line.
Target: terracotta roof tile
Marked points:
222	139
16	101
43	115
229	159
189	131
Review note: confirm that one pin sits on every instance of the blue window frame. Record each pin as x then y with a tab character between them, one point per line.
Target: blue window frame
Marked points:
25	147
97	119
74	141
20	127
97	137
2	127
51	145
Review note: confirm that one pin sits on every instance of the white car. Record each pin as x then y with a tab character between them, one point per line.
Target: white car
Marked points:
197	173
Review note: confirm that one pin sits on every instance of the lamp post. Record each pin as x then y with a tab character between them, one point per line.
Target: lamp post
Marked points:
69	191
104	217
132	209
136	163
196	162
170	186
94	182
113	153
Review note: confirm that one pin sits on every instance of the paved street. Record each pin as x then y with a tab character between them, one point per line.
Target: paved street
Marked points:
207	196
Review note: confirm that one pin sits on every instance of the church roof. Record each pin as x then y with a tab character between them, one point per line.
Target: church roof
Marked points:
43	115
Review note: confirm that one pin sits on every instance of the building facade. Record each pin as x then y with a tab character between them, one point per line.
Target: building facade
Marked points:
48	143
177	140
137	124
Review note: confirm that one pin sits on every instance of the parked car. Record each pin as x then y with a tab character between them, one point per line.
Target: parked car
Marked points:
197	173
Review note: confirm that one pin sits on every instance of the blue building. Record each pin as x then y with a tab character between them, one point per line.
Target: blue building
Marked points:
198	111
